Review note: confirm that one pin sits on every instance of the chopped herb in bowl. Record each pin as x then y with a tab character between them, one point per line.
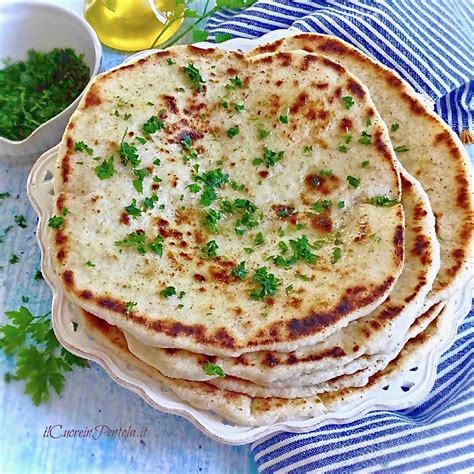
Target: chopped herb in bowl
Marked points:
36	90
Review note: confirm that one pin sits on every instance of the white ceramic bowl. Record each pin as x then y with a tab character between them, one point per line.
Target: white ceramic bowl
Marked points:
43	27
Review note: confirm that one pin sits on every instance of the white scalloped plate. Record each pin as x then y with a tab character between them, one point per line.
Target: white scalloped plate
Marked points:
40	192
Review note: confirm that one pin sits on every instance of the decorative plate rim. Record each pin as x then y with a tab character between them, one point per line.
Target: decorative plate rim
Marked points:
39	188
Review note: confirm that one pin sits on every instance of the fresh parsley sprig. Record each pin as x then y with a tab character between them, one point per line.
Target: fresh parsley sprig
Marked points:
185	9
39	358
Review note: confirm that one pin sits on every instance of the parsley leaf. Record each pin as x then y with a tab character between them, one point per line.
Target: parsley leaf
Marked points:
321	205
365	138
240	271
283	119
134	239
56	222
232	132
383	201
14	259
234	83
194	77
341	204
270	158
336	255
140	175
394	127
168	291
365	164
129	305
106	169
132	209
263	133
156	245
82	147
128	154
211	220
401	149
152	125
20	221
354	182
4	195
348	101
267	284
212	369
40	360
210	249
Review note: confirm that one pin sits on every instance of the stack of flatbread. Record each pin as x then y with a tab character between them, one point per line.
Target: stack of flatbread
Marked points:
267	234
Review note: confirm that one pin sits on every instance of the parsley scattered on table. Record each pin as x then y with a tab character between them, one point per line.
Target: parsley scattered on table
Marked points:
39	358
38	275
20	221
4	195
14	259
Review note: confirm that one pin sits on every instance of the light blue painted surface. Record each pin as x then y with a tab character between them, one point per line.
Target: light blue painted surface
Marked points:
90	397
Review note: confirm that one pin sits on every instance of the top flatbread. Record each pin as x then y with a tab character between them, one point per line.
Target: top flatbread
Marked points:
274	167
381	332
435	155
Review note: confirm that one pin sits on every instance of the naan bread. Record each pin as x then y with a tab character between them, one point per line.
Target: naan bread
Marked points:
247	411
379	333
434	155
205	131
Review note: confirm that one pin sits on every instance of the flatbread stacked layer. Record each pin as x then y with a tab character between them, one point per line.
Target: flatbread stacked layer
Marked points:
240	227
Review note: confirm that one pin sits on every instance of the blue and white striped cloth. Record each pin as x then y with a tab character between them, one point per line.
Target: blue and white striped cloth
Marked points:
430	45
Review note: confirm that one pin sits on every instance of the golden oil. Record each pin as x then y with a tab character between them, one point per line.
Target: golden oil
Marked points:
131	25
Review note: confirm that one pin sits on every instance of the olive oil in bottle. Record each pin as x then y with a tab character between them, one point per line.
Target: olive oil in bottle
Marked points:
132	25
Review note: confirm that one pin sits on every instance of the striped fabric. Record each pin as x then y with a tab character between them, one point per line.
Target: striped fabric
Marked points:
436	436
428	43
